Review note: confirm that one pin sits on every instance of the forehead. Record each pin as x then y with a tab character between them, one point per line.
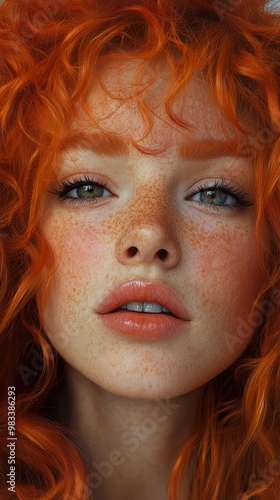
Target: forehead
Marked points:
130	102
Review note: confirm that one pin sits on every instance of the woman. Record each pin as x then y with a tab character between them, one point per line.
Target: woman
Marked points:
140	250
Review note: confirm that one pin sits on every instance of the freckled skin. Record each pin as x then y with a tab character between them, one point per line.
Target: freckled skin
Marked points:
211	262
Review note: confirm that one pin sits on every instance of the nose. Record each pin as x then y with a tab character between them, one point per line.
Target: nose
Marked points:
148	242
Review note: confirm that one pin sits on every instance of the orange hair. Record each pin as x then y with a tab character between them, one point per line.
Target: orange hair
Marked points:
50	55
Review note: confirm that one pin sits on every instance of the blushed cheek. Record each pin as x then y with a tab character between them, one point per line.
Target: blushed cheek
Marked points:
81	264
76	245
225	274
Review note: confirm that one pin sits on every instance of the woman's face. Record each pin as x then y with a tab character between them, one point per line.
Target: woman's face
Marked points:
174	222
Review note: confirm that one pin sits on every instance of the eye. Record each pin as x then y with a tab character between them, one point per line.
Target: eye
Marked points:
82	190
220	195
214	197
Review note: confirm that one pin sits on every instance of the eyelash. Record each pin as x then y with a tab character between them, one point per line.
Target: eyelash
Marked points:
241	197
67	186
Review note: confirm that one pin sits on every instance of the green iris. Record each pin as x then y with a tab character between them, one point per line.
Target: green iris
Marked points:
213	196
90	191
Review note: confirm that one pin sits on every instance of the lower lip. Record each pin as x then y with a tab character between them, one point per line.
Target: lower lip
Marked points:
143	325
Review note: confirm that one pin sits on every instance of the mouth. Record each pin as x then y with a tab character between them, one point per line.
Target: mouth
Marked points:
147	310
141	296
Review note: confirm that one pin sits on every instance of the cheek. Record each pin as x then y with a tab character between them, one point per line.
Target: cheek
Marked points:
224	256
81	255
77	245
224	278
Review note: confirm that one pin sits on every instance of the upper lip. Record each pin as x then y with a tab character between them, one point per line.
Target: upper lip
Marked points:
143	291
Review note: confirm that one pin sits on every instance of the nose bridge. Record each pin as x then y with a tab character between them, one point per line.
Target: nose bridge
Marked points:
150	205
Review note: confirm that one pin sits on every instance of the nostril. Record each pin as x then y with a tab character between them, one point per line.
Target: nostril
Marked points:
162	253
132	251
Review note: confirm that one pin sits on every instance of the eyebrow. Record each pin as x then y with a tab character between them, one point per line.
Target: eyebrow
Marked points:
111	144
102	143
207	149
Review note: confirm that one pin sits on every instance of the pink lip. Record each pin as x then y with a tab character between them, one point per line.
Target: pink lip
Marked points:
143	325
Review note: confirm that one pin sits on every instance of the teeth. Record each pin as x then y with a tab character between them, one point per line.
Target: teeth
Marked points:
152	307
148	307
134	306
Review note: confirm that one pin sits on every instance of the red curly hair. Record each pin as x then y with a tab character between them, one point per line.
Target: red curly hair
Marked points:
50	55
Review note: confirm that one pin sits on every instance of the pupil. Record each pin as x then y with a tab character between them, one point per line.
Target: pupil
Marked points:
211	194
